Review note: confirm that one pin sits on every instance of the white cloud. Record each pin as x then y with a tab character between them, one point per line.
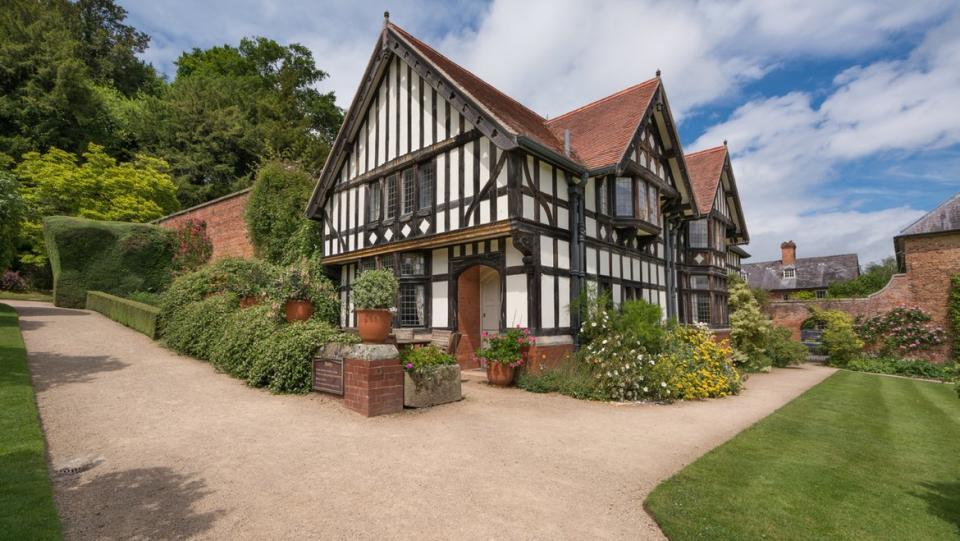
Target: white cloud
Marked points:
554	55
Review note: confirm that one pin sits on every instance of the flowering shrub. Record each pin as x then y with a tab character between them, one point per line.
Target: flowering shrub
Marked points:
702	367
839	338
423	359
690	366
900	331
194	246
506	348
13	281
749	328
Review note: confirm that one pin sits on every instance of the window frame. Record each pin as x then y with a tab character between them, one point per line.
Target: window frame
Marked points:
374	211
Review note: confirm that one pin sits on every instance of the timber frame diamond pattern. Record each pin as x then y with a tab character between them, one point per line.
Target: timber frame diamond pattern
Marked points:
435	172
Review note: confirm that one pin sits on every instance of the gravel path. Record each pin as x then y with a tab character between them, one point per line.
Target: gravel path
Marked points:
175	450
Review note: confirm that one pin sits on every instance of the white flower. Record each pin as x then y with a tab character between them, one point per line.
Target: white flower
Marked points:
645	389
652	363
604	340
663	384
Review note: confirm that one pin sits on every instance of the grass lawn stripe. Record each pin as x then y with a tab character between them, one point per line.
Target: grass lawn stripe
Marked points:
859	456
26	498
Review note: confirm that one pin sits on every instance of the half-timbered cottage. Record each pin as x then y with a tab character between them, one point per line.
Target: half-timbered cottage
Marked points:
710	244
492	216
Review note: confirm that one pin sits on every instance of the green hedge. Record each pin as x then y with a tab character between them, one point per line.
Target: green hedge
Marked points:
136	315
113	257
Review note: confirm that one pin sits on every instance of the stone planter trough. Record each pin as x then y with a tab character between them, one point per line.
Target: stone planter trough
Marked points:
430	388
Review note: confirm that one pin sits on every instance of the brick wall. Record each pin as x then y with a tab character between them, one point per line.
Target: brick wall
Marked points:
930	262
225	224
373	387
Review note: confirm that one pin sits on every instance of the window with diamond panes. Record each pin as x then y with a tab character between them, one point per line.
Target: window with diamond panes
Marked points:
373	210
409	191
602	192
642	200
391	197
698	234
653	198
412	301
427	176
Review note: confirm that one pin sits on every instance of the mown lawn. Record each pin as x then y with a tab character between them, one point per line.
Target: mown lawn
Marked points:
859	456
28	296
26	498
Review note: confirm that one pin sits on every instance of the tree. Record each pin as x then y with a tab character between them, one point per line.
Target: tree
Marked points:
749	328
275	214
56	183
231	107
874	278
11	213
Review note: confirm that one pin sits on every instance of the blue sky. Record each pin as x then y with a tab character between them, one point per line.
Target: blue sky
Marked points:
843	119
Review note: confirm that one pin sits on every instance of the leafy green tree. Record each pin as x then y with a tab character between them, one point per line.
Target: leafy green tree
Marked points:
56	183
275	214
874	278
749	328
230	108
11	213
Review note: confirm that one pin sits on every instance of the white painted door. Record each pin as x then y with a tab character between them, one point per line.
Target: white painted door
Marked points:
489	301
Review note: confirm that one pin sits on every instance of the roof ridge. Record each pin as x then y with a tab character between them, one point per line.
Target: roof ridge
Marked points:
421	43
605	98
712	149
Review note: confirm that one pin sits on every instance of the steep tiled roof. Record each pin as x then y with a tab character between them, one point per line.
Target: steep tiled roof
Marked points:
946	217
811	272
515	115
601	131
705	168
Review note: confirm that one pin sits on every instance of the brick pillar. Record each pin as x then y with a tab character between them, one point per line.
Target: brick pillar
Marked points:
373	379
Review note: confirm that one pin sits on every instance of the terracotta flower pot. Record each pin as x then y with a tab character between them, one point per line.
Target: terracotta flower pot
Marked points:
500	374
373	326
298	310
248	301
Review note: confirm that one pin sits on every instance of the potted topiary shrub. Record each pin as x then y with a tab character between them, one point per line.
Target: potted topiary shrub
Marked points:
374	295
504	354
294	293
430	377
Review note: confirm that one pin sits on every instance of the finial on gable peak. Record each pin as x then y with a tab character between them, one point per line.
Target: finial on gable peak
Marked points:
658	72
724	142
386	18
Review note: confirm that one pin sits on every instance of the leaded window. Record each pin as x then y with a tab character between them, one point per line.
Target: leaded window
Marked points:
653	199
700	282
624	196
412	302
641	200
427	176
391	210
409	191
603	197
698	234
411	264
373	208
702	308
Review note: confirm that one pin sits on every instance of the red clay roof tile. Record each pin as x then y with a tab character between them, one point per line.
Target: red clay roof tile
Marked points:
601	131
705	168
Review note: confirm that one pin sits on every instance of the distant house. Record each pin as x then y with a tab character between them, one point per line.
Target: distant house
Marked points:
792	274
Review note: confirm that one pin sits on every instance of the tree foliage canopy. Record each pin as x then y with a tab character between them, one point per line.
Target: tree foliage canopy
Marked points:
275	214
56	183
874	278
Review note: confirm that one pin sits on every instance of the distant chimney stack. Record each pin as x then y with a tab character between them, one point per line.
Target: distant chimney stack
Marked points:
788	253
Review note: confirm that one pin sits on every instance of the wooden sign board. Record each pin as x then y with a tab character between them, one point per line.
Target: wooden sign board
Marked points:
328	375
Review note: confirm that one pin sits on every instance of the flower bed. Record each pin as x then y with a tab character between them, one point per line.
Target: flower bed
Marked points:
431	377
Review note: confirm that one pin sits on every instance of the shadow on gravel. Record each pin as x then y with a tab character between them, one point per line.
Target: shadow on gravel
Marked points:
142	503
51	369
36	311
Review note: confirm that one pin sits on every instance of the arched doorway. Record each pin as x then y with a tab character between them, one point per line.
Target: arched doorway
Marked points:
479	306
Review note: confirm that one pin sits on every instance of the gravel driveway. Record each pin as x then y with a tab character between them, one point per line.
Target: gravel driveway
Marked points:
175	450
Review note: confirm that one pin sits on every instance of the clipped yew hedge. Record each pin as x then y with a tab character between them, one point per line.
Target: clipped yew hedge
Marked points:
113	257
136	315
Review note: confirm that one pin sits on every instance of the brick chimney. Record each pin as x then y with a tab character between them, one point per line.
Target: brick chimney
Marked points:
788	253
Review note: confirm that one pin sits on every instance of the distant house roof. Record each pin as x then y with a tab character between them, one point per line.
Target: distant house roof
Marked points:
946	217
810	272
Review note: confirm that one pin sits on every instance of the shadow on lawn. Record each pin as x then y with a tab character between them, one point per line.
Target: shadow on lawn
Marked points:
141	503
943	500
51	369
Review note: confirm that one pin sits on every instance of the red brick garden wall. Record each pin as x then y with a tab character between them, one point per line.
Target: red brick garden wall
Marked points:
930	263
225	224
